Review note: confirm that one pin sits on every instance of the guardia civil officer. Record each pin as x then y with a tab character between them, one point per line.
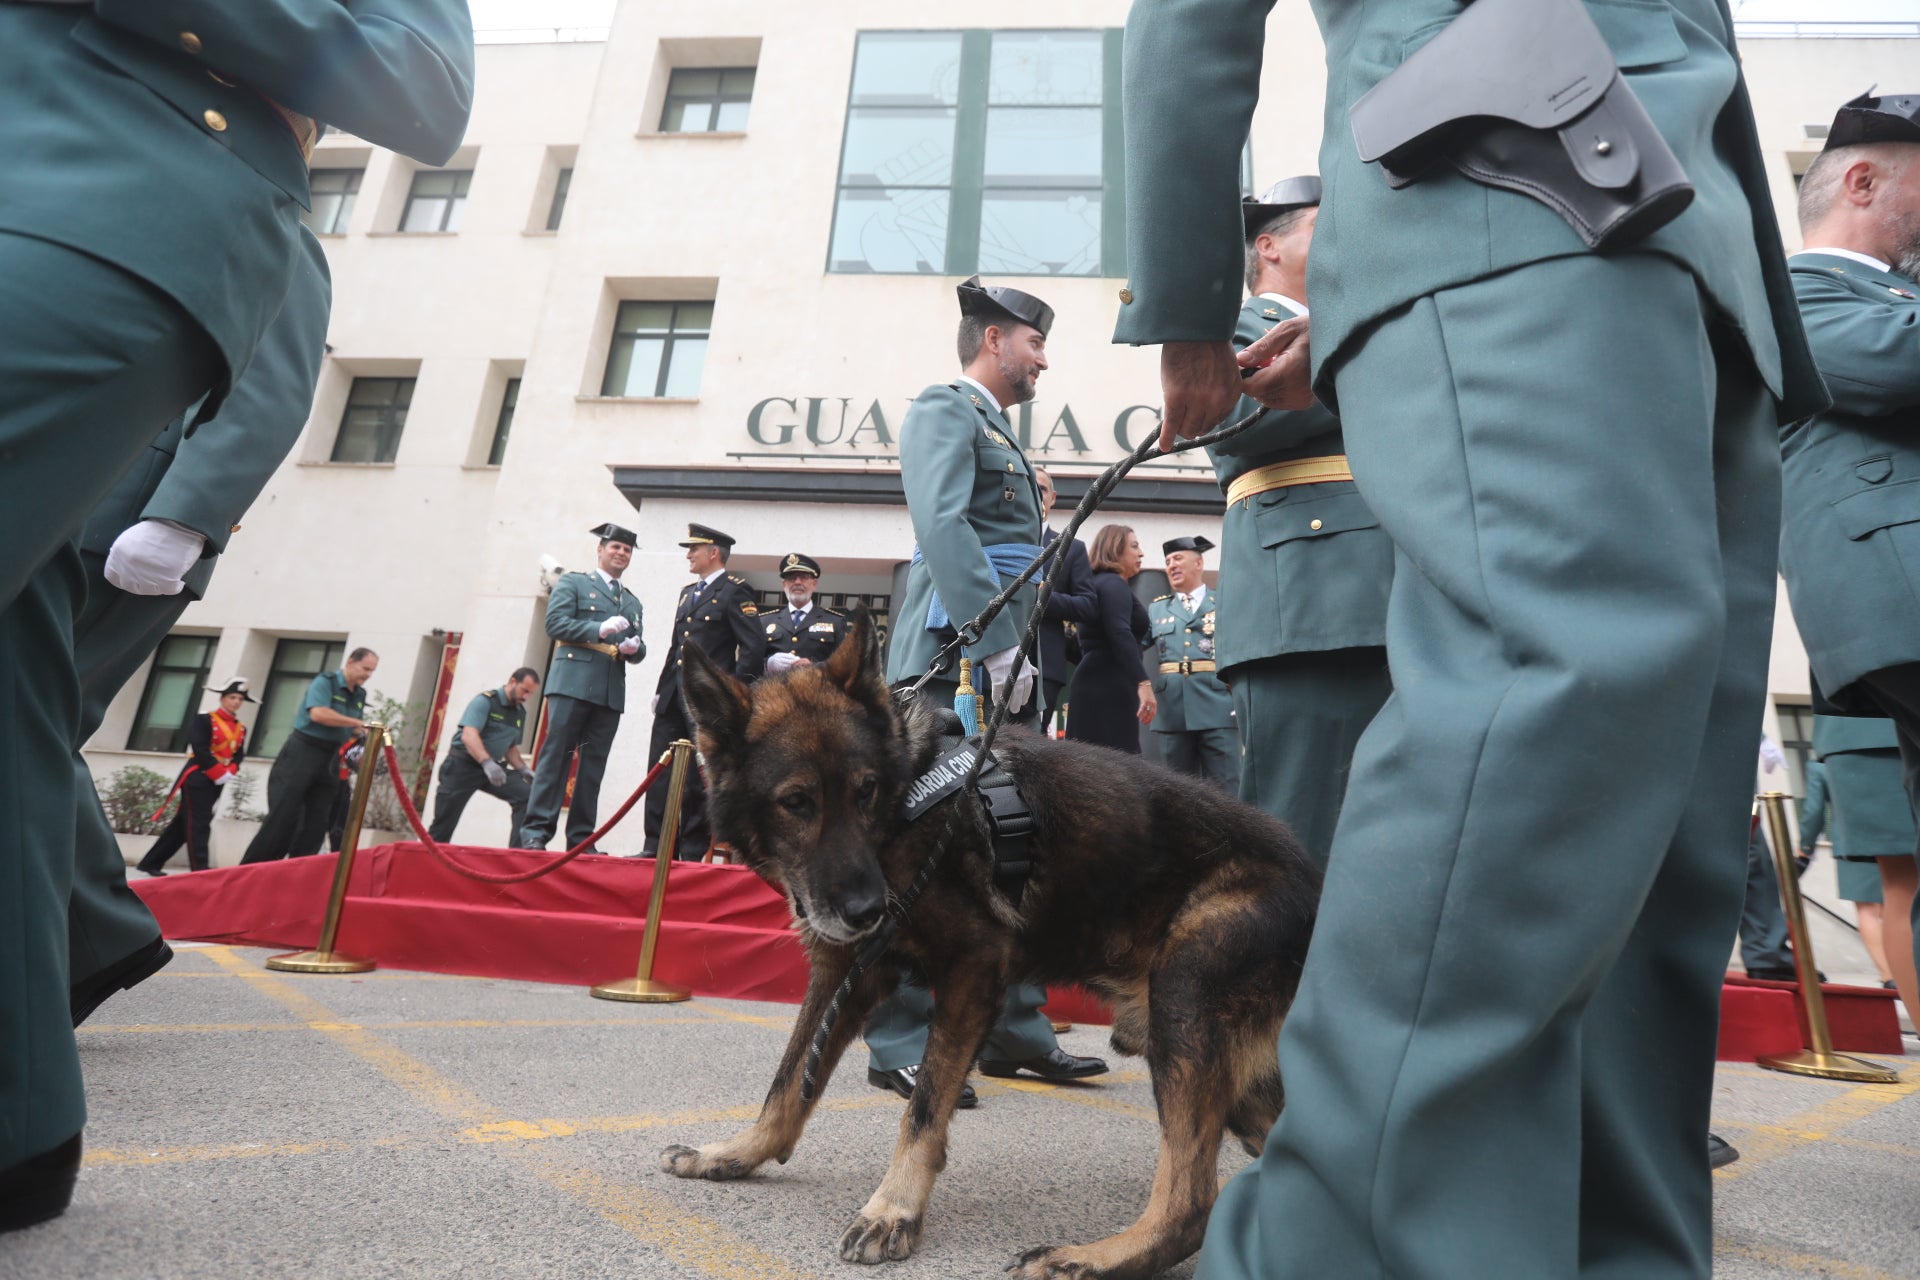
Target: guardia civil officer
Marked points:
803	632
594	622
977	523
1519	409
485	756
1849	540
717	614
216	748
156	153
1303	558
148	550
304	779
1195	714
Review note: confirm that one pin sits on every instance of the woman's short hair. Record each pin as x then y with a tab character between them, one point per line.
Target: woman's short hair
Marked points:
1109	545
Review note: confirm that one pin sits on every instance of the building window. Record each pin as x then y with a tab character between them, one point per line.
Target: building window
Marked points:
295	664
707	100
333	191
658	349
505	424
436	200
376	414
172	696
1796	744
561	182
994	151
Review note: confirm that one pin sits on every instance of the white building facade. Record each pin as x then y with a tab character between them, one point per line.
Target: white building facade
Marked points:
697	272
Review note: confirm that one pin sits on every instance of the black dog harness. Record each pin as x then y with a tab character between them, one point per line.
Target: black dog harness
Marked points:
1007	811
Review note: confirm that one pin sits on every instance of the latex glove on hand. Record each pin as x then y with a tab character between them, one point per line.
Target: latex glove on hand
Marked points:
495	774
613	626
152	558
631	645
1015	689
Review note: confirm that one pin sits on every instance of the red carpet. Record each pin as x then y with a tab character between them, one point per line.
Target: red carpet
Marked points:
724	933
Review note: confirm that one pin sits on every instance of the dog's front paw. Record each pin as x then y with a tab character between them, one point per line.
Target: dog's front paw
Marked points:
685	1162
882	1239
1051	1263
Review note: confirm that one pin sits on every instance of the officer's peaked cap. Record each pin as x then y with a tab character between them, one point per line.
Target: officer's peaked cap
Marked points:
1283	196
611	532
1195	543
997	303
1886	118
699	535
797	563
233	686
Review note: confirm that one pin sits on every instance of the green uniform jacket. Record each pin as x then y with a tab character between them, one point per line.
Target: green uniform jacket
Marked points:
968	487
1197	700
1840	735
206	481
1297	588
502	725
1186	241
1850	521
151	147
579	604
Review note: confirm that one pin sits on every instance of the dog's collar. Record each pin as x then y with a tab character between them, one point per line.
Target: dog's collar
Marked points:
1007	811
942	778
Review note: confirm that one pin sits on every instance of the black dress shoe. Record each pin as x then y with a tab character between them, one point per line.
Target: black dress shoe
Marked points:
1055	1064
90	993
1780	973
39	1187
1720	1152
901	1080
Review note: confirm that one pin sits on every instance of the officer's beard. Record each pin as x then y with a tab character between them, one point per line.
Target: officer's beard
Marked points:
1020	378
1906	240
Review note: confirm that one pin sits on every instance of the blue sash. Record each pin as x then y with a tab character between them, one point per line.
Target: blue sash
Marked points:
1006	561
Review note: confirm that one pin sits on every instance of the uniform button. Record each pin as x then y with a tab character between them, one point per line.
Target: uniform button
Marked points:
215	121
1315	526
1126	296
189	42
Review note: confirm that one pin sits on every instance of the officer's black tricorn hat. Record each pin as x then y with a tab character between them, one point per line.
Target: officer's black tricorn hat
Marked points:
1283	196
1886	118
997	302
797	563
611	532
233	686
1195	543
699	535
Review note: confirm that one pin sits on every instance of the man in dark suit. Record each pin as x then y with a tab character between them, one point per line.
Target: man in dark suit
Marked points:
718	615
803	632
1071	604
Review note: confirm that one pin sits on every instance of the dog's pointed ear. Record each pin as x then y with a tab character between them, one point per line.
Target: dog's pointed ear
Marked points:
717	703
855	666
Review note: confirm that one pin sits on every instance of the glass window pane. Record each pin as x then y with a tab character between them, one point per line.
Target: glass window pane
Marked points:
1043	148
504	426
634	367
694	83
433	184
455	208
731	117
683	372
898	68
899	146
738	81
561	183
636	316
424	215
903	232
687	117
693	315
1032	68
174	696
1040	233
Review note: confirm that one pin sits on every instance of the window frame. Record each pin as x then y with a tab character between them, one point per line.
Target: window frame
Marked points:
159	668
716	100
343	211
671	336
503	422
398	429
455	207
557	207
333	653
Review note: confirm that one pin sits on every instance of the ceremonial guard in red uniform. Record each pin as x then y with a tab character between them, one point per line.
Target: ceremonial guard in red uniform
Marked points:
217	744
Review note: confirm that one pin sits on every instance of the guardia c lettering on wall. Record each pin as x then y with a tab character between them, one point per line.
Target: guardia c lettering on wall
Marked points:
870	425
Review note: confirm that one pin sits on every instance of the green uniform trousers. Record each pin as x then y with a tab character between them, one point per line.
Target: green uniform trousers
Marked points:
1301	715
93	365
1213	754
1536	876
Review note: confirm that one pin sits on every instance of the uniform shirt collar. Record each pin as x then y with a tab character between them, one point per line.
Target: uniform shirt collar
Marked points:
708	580
1875	263
606	579
1198	595
802	610
991	399
1285	301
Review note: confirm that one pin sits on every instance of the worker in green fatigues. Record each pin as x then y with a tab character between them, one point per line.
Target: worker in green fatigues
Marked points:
976	518
1465	1058
149	551
1849	542
1304	558
485	756
1195	716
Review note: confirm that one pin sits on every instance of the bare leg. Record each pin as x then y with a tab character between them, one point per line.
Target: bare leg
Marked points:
1897	880
1871	926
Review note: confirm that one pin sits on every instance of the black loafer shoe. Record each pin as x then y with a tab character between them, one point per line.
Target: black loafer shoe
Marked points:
1720	1152
901	1080
39	1187
90	993
1055	1064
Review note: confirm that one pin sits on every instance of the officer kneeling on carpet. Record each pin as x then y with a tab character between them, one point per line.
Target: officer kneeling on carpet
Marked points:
485	756
803	632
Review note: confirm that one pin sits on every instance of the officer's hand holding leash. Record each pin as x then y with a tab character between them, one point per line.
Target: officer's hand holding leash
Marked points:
1276	368
1015	689
1200	383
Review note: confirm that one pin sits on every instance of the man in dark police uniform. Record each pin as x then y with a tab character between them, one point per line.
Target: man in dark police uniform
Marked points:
803	632
717	614
485	756
594	622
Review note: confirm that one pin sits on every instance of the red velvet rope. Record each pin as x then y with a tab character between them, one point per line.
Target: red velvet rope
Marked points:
413	818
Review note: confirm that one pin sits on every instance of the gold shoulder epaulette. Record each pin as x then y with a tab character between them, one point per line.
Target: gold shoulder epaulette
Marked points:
1158	599
736	578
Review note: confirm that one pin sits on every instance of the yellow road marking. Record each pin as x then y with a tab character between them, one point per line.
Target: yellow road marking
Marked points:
1767	1143
753	1019
1081	1096
1794	1260
222	1151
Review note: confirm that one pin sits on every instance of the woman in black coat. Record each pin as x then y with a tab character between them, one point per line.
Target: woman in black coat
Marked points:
1111	695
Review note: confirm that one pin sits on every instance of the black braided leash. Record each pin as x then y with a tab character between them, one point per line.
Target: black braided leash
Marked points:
1052	559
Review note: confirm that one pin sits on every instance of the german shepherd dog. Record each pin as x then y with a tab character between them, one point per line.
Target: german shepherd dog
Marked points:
1189	911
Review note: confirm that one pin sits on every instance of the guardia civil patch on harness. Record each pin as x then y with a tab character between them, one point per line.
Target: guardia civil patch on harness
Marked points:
941	780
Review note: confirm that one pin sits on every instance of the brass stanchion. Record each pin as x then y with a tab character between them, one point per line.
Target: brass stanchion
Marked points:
1820	1060
323	959
642	989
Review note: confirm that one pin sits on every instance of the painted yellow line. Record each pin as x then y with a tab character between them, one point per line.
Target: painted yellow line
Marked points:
1766	1144
223	1151
1778	1132
1079	1095
752	1019
1793	1260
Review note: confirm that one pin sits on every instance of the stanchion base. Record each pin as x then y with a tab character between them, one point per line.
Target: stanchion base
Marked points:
1828	1066
1061	1027
319	962
642	991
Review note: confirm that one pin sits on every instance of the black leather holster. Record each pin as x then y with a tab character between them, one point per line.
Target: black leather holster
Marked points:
1525	95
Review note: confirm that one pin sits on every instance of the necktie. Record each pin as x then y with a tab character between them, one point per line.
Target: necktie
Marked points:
796	617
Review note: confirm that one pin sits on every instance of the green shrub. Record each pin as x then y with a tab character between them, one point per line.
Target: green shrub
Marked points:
131	795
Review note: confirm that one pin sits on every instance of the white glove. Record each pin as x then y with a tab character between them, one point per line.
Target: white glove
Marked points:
222	780
778	662
631	645
1016	690
495	774
613	626
152	558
